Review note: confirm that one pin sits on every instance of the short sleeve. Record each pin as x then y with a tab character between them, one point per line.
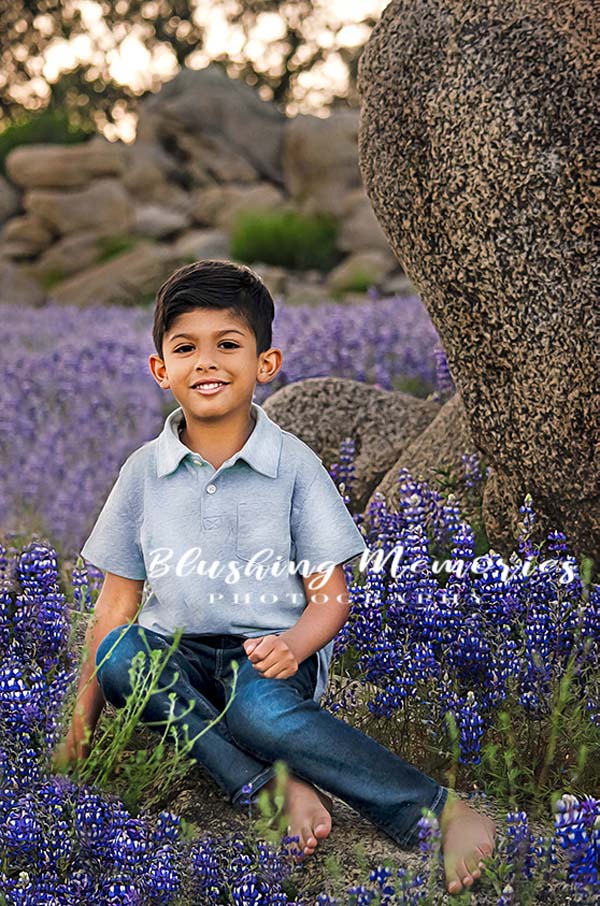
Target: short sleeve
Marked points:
322	527
114	544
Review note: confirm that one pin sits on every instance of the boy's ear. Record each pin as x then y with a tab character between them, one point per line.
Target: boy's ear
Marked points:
159	371
270	365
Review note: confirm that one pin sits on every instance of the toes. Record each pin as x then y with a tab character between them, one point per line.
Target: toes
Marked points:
464	874
472	867
454	886
306	835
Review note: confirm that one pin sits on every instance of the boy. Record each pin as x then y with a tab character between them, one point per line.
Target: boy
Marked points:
223	481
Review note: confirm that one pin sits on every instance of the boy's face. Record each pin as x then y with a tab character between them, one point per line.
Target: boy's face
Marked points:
216	346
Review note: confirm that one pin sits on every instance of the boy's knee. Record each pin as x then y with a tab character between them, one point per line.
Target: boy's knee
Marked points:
251	715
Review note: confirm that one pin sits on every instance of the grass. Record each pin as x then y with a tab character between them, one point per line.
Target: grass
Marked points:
113	246
285	239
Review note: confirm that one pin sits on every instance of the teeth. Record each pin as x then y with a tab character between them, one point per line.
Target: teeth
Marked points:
209	386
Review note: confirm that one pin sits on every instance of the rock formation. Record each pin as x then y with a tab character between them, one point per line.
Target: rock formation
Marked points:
382	424
478	145
207	149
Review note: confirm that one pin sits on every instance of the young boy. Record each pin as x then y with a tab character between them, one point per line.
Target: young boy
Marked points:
241	534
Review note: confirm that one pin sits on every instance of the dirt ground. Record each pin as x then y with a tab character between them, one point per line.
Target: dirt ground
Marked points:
353	841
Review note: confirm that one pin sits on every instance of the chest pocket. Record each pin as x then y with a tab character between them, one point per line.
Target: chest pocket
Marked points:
262	526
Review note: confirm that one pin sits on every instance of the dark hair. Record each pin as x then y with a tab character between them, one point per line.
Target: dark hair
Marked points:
215	284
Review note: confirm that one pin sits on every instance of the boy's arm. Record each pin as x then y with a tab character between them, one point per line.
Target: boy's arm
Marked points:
118	603
322	618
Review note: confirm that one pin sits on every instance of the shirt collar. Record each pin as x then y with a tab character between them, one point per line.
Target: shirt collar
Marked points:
261	451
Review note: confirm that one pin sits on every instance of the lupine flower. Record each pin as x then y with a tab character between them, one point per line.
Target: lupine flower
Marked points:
501	631
344	472
444	383
472	469
578	832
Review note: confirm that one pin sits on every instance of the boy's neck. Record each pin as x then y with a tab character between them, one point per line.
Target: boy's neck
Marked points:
217	439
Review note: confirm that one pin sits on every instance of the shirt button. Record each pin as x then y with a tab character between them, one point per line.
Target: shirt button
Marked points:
198	462
210	489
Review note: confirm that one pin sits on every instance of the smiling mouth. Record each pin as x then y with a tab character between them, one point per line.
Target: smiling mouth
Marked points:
208	388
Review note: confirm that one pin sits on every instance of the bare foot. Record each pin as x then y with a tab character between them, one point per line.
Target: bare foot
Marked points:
308	811
467	838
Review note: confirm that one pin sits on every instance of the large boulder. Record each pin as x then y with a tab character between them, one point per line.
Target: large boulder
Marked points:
440	446
478	142
151	172
196	244
220	205
320	162
159	221
369	266
124	280
49	166
324	411
18	288
104	206
24	236
10	200
359	228
67	256
218	128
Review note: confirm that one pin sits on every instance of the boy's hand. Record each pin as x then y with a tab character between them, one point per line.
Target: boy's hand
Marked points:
271	656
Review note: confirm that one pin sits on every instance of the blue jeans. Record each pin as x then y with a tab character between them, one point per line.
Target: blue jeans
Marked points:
270	719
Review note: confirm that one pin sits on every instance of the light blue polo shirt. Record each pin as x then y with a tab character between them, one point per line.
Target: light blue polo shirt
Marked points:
174	520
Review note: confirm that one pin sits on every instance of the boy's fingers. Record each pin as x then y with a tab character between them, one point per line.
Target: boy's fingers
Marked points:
263	649
275	663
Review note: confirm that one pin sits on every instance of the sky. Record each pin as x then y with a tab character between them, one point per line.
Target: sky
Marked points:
132	64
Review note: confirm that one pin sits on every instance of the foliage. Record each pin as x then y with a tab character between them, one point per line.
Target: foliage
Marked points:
64	839
358	281
112	246
70	840
285	238
310	37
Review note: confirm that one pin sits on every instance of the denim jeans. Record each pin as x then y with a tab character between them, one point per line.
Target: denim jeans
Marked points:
270	719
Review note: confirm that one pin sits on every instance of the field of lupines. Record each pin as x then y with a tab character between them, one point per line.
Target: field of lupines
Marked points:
482	672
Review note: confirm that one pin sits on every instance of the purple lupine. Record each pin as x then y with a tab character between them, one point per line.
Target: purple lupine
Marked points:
578	832
344	472
472	474
528	525
61	403
520	847
445	387
378	342
500	631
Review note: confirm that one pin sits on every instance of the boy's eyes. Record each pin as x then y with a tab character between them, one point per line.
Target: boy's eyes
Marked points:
223	342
